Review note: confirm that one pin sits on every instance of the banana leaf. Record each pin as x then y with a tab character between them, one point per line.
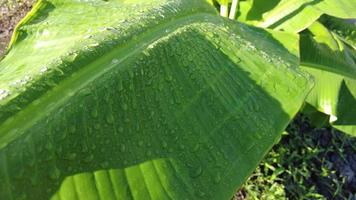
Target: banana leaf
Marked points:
293	15
333	64
345	29
138	99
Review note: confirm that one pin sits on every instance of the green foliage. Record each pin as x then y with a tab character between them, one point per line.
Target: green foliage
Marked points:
140	100
327	49
308	163
346	29
333	64
164	99
293	15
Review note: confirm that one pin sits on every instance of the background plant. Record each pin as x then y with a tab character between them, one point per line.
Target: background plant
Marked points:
326	48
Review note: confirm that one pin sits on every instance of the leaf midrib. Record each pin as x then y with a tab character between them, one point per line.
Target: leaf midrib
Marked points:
68	87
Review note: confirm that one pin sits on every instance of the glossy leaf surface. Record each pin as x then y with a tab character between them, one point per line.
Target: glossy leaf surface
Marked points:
333	64
139	100
293	15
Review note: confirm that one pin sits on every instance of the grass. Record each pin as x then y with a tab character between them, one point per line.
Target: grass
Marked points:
308	164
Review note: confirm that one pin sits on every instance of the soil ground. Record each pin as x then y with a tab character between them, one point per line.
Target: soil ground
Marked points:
11	12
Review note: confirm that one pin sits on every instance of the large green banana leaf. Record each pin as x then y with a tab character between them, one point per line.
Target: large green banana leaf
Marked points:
139	99
346	29
333	64
293	15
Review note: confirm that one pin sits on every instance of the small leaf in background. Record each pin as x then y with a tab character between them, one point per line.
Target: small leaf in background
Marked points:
332	63
293	15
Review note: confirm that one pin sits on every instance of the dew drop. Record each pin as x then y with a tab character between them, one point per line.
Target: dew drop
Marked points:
55	174
120	86
110	119
140	143
49	146
20	174
105	164
125	107
72	129
59	150
71	156
149	153
43	69
196	147
94	45
34	180
121	129
164	144
122	148
181	146
94	113
89	158
71	56
196	172
115	61
217	178
4	93
200	193
85	148
97	126
87	36
169	78
112	29
85	92
23	196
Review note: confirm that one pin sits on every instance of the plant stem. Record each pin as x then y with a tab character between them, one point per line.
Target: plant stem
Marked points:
233	10
224	10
